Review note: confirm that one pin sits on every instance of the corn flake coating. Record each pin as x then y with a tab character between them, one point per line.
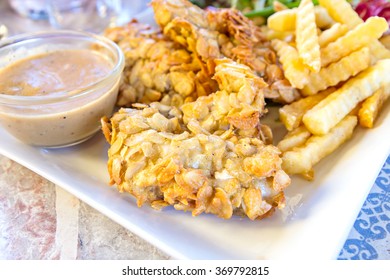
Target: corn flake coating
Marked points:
187	24
201	147
238	104
161	163
218	33
158	69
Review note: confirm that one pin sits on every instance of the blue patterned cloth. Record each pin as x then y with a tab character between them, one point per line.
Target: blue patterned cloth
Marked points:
369	238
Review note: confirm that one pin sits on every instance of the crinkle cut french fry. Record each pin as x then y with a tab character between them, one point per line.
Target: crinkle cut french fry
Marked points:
378	50
338	71
301	160
294	138
372	106
287	36
283	20
291	114
341	11
294	70
286	20
326	114
332	34
355	39
323	19
306	36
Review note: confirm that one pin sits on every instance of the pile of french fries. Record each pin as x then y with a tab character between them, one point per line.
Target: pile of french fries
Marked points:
338	63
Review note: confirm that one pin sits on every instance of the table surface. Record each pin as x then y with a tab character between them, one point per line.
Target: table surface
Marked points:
39	220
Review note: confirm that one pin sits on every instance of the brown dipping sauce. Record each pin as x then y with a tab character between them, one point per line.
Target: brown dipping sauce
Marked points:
57	74
53	73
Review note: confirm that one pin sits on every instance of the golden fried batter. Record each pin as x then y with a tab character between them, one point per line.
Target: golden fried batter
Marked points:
161	163
187	24
158	69
207	157
218	33
239	102
201	147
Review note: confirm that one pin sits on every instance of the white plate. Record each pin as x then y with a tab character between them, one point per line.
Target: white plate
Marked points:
316	229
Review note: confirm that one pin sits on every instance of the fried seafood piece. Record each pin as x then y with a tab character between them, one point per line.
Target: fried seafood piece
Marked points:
238	104
217	33
241	40
161	163
187	24
158	69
